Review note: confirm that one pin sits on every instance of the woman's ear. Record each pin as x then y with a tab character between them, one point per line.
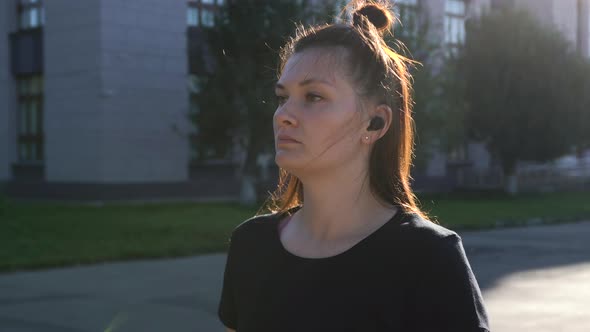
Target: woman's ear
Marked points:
383	111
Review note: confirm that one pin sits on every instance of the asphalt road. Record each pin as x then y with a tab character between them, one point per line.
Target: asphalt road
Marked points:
533	279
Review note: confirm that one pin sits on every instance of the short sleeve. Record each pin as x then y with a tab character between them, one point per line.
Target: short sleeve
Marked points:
227	311
447	297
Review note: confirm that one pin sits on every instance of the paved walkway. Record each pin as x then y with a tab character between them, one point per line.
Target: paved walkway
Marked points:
533	279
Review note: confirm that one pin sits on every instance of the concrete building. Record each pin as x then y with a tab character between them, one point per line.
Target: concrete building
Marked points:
95	94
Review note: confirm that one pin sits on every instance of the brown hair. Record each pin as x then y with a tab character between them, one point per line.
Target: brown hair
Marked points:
380	75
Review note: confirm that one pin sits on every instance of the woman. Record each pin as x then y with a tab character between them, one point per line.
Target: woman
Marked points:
345	247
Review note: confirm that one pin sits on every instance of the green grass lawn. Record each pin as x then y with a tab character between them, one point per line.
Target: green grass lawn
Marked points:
40	235
476	211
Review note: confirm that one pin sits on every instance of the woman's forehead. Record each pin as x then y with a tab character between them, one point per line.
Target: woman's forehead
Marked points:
317	64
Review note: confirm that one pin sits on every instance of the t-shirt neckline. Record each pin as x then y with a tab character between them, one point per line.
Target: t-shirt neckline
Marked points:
395	219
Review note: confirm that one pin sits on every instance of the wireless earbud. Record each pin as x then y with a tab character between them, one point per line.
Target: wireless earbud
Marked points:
376	123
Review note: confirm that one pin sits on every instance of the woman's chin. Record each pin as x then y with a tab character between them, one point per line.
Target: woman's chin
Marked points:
286	161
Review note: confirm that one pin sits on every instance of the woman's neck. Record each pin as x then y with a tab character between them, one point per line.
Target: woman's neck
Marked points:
337	208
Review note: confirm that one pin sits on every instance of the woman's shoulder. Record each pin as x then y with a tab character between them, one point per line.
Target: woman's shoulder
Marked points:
431	244
263	220
259	224
441	280
420	230
257	221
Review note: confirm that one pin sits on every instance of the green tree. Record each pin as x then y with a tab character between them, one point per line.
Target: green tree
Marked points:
237	99
521	84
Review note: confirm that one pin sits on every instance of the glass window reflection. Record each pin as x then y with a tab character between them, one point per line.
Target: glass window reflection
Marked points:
454	23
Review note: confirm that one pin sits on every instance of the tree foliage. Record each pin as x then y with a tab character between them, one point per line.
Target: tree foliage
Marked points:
236	100
523	86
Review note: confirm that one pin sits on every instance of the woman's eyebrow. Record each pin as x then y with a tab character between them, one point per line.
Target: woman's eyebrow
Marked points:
305	82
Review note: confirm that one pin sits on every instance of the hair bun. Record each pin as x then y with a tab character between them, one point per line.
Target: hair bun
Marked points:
377	15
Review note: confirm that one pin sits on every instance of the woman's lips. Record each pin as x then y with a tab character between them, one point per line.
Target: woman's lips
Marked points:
287	141
283	138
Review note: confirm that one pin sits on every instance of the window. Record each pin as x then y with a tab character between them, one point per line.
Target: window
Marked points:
30	118
455	12
207	17
31	14
201	13
407	12
194	87
192	18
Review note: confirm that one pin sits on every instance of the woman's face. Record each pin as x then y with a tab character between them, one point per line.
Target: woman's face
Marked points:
317	107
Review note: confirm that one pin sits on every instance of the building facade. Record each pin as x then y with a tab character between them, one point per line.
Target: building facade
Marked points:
95	95
93	92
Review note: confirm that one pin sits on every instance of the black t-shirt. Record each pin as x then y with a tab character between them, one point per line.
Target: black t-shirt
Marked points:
408	275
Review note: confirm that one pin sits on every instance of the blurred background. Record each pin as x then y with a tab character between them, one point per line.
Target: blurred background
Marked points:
142	129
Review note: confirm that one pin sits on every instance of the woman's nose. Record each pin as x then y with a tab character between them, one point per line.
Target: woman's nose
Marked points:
284	116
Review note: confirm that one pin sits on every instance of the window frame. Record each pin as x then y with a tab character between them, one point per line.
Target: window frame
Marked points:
411	10
31	139
450	18
28	6
200	7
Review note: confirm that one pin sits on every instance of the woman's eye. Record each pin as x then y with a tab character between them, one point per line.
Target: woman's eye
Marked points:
313	97
310	97
281	99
